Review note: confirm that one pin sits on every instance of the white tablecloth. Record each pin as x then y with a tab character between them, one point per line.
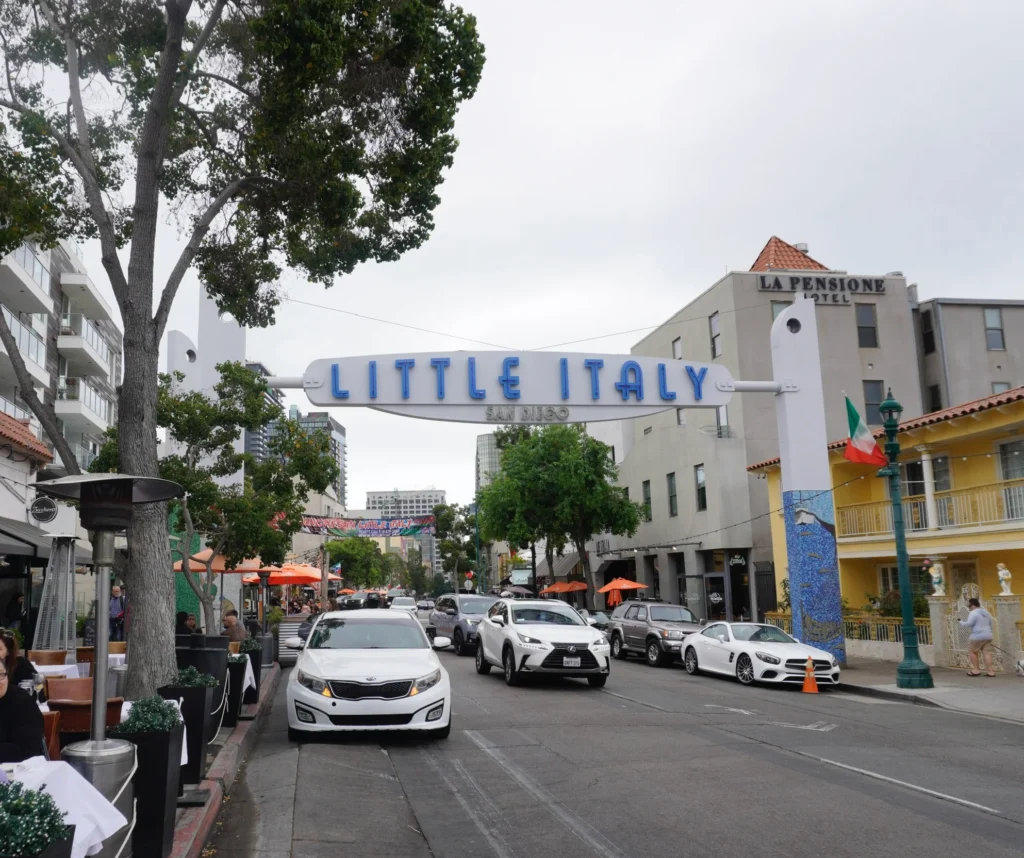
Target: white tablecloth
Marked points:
68	670
250	677
116	659
95	819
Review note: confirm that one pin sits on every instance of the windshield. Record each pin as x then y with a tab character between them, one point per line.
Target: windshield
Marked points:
557	616
336	633
672	614
403	600
766	634
475	606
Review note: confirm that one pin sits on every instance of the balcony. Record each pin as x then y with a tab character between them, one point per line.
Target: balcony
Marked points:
981	506
85	296
19	412
81	406
82	346
25	282
32	348
83	456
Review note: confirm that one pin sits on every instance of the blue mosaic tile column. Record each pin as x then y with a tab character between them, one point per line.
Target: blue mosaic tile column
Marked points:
814	570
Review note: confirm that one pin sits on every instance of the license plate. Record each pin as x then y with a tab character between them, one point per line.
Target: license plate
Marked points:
572	662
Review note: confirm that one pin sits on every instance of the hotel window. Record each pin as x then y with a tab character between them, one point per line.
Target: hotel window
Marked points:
716	335
646	488
677	348
912	474
994	329
701	486
1000	386
680	417
867	326
778	307
935	397
647	430
920	580
927	332
722	420
611	452
874	393
673	501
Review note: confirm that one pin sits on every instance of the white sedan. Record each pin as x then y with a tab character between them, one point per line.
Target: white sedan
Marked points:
756	652
404	603
536	636
368	670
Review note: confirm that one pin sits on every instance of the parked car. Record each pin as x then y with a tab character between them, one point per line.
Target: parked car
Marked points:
363	599
600	619
404	603
368	670
653	629
425	605
457	616
538	636
756	652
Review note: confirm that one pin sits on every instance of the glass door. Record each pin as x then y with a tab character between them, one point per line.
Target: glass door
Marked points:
714	587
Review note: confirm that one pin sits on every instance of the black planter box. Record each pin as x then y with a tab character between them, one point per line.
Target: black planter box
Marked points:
236	673
196	705
213	661
60	848
210	642
156	789
252	695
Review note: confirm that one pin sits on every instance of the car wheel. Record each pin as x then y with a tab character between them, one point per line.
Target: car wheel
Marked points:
598	681
690	660
508	662
443	732
655	657
483	666
745	670
618	650
458	644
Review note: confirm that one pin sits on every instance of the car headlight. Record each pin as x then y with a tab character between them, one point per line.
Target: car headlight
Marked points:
770	659
314	684
526	640
425	682
835	661
672	636
472	622
597	643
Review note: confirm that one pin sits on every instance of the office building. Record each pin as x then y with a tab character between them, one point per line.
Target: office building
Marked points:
256	440
402	504
488	460
321	421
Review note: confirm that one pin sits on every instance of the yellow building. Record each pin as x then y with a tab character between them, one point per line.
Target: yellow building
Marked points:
963	505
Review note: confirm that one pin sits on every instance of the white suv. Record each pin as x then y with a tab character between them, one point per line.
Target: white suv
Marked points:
537	636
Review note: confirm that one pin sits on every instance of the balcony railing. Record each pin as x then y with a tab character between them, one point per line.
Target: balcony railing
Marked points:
864	627
30	344
77	325
26	257
79	390
83	456
991	504
19	412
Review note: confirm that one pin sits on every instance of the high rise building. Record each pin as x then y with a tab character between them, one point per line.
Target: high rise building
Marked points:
317	421
488	460
405	504
256	441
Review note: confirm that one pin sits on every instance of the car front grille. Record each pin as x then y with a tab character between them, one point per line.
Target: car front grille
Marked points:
561	651
801	664
370	720
366	691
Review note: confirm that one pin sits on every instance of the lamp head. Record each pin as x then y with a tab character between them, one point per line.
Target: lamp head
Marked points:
890	410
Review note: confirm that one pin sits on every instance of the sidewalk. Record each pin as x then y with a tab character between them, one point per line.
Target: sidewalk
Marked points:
998	697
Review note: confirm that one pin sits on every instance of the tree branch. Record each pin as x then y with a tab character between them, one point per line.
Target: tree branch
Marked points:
233	84
197	49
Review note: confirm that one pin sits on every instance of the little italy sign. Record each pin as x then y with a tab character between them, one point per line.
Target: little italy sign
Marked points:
525	387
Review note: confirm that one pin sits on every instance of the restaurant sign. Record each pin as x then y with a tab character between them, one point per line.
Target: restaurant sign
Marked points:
516	387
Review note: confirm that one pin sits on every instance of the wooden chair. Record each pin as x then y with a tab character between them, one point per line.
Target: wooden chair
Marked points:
51	734
234	647
46	681
76	715
69	689
86	653
117	647
47	656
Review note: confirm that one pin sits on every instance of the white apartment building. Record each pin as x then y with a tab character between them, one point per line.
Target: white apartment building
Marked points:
405	504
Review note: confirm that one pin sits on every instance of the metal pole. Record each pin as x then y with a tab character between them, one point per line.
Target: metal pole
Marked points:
103	563
479	566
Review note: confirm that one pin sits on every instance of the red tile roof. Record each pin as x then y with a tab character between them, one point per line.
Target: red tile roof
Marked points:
1015	394
780	256
18	434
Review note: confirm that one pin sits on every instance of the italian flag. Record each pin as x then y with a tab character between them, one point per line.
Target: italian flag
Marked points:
861	446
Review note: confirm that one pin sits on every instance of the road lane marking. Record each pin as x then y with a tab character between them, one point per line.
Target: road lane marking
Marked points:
819	726
638	702
730	709
576	824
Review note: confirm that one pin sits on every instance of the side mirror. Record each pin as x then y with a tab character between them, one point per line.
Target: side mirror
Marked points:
703	622
441	643
722	639
797	640
451	612
498	621
295	643
591	621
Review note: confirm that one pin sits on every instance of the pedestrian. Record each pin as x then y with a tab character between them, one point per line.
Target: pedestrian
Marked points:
979	644
233	630
116	614
193	624
14	614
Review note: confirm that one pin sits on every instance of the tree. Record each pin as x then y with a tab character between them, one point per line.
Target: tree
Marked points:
438	586
307	135
562	480
417	572
255	518
455	531
360	560
393	570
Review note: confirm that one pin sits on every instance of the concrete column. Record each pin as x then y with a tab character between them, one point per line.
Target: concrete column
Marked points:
938	611
931	509
667	578
1007	617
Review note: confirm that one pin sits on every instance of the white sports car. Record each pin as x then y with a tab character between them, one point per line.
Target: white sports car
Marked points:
756	652
368	670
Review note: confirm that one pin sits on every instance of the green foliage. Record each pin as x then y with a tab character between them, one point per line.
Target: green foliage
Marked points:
417	572
438	585
29	820
150	715
274	617
237	659
250	645
455	531
786	602
362	563
190	677
890	606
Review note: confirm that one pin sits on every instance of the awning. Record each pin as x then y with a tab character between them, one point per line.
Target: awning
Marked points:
26	540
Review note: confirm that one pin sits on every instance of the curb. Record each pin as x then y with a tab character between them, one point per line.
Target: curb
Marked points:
871	691
196	824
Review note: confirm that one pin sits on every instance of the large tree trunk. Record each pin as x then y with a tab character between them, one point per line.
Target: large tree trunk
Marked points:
150	578
591	595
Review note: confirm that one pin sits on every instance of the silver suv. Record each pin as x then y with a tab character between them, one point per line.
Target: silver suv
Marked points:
456	615
654	629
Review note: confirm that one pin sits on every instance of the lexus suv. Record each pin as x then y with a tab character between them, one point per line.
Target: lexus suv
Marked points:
456	616
653	629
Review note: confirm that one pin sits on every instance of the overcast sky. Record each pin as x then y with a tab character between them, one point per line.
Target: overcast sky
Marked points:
619	158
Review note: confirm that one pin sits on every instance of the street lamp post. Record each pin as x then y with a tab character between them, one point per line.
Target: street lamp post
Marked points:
912	671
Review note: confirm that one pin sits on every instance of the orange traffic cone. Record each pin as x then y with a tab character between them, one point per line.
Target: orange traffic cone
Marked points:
810	683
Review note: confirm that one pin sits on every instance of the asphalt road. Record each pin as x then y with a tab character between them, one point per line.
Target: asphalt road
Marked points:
658	763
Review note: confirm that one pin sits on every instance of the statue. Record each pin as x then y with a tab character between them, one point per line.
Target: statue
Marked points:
938	580
1004	579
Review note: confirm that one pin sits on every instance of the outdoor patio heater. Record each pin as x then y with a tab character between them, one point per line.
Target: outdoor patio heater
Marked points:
105	506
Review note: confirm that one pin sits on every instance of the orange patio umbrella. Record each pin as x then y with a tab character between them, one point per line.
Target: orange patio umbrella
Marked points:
557	587
575	586
346	592
292	573
615	587
250	564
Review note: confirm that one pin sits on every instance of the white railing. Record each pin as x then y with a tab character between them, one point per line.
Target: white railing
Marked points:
30	344
79	390
83	456
77	325
26	257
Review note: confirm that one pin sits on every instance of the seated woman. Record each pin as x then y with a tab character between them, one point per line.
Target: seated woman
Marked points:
18	667
21	723
181	626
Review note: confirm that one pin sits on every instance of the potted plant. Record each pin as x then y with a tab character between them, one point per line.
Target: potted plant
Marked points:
236	673
155	727
274	617
195	690
253	649
32	825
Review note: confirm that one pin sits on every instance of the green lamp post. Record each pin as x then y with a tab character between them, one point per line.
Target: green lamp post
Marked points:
912	671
